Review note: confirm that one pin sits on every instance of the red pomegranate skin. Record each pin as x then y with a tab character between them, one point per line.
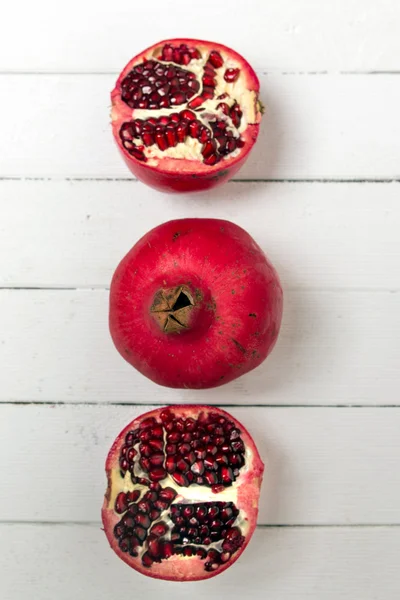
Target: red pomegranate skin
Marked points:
224	324
171	175
245	492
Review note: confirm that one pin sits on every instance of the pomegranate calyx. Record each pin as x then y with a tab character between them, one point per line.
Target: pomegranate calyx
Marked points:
172	308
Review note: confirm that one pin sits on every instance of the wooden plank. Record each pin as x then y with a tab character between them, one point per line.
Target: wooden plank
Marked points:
334	348
285	35
317	564
73	234
341	126
324	465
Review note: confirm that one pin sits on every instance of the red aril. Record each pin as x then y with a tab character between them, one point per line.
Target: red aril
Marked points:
179	527
171	99
195	304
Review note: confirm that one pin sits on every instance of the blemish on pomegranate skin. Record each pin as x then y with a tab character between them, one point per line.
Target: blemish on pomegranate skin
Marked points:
239	346
253	315
176	235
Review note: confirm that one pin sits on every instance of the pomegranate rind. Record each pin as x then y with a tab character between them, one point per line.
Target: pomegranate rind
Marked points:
178	568
181	175
241	294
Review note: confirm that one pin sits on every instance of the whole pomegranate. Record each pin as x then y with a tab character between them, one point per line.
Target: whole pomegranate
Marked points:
183	490
195	304
185	114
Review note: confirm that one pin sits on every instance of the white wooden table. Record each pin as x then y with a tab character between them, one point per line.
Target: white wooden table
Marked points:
321	194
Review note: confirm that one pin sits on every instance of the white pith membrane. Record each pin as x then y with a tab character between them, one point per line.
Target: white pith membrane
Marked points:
191	495
233	93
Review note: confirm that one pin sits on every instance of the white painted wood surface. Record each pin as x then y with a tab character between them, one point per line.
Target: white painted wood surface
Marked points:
324	409
318	471
316	126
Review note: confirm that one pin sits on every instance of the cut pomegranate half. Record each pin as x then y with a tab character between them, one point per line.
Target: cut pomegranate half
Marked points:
183	489
185	114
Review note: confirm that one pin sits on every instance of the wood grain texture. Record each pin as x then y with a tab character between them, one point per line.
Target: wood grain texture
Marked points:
341	126
323	465
74	233
335	347
297	564
302	35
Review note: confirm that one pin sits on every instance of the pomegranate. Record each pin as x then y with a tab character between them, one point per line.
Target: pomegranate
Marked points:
185	114
195	304
182	495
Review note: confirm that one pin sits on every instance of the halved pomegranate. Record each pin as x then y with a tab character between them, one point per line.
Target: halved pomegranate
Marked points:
183	490
195	304
185	114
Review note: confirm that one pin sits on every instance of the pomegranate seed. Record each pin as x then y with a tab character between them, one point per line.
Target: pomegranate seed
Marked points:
210	463
159	529
154	514
147	561
196	102
209	81
217	489
190	424
188	115
170	464
168	494
167	550
170	134
155	487
190	457
164	103
148	139
144	463
209	148
182	465
140	533
215	59
171	448
166	415
131	454
124	544
156	444
174	436
186	437
175	117
176	56
237	446
145	450
211	449
201	511
177	98
150	496
193	85
156	459
211	160
157	474
205	134
221	458
157	431
143	520
240	143
184	448
208	92
194	53
180	479
190	477
170	72
123	463
181	133
231	75
213	511
210	477
180	425
167	52
133	496
194	128
121	504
